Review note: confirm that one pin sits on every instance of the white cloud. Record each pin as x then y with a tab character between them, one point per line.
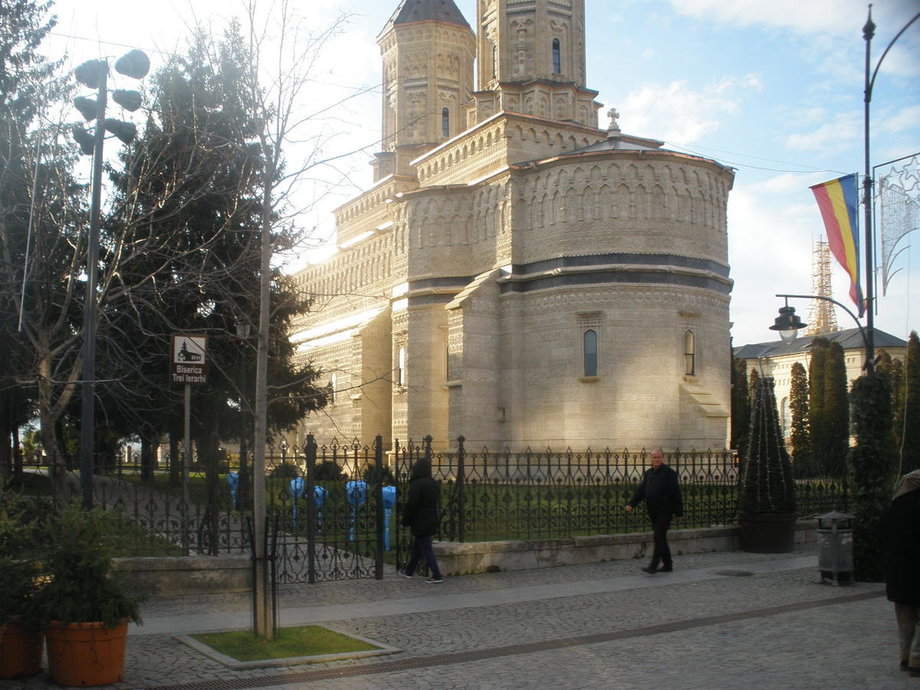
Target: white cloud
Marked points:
800	16
845	127
678	113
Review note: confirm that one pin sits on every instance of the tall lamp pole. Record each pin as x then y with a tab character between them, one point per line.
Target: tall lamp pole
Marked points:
94	74
870	75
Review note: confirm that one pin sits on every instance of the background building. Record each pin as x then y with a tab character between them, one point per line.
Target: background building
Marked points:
776	359
516	275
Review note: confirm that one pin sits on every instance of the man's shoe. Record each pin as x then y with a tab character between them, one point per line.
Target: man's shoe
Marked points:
434	580
665	569
405	574
650	570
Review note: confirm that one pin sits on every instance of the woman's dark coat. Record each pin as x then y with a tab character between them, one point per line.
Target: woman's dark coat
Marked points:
421	510
901	536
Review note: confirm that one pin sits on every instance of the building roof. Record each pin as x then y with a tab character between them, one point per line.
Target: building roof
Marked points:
849	339
422	10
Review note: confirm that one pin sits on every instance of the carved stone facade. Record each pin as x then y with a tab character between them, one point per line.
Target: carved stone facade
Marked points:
531	281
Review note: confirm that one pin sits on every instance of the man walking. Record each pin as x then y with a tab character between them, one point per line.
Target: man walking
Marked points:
421	515
660	490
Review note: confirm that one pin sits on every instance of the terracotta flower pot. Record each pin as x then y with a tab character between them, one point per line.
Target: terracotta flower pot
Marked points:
86	653
20	651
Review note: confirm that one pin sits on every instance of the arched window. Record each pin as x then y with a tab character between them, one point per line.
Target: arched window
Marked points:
689	353
557	57
401	367
494	61
445	122
590	352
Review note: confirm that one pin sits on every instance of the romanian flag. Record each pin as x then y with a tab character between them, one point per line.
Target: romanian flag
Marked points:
837	201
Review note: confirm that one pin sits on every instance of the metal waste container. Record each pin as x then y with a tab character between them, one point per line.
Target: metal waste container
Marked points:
835	547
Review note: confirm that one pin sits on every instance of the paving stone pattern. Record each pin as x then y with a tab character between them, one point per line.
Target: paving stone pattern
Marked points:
595	626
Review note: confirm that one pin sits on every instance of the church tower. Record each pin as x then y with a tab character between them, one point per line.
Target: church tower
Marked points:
428	52
532	61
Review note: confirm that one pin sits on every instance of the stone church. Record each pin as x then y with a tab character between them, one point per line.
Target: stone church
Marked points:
517	275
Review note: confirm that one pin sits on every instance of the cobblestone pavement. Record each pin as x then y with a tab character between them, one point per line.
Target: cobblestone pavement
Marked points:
721	620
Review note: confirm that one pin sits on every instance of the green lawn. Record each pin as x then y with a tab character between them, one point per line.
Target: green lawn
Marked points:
307	640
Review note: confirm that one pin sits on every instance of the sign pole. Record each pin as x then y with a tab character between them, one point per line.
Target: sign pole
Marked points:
188	442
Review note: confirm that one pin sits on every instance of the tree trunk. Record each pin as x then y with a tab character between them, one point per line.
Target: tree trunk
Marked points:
147	460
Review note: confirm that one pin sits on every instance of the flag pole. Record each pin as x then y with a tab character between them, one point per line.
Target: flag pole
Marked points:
868	33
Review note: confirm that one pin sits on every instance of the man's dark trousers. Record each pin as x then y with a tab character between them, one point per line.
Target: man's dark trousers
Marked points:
662	552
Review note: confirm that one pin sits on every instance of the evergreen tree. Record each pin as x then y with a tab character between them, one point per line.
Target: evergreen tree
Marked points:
894	368
799	436
910	420
817	412
871	470
837	412
741	406
753	378
191	198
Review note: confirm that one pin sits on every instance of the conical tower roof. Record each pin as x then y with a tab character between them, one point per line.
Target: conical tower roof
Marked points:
422	10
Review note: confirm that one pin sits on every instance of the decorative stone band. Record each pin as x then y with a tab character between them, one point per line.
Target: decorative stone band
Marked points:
618	268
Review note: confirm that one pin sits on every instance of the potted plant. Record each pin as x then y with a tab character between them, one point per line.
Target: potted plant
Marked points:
766	506
85	609
20	629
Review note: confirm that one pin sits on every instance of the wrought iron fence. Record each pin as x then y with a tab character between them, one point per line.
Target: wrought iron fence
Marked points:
546	494
486	495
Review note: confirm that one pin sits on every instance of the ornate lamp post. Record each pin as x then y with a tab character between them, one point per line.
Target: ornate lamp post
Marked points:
787	323
868	34
94	74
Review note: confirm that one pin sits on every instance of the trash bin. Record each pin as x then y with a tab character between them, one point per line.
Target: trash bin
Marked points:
835	547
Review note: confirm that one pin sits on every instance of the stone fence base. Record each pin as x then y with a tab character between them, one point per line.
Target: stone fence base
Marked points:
492	556
179	576
174	576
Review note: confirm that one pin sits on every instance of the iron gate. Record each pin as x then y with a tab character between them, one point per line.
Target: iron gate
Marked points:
332	514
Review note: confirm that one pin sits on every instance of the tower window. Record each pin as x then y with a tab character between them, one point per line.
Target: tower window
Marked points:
557	57
331	389
589	347
689	353
445	122
494	61
401	367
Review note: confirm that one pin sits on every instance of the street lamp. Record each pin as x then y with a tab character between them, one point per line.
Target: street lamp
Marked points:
870	75
788	324
94	74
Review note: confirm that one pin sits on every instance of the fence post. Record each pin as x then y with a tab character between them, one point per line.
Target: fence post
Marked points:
461	504
378	492
309	451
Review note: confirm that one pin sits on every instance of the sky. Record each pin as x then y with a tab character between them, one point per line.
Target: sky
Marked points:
771	89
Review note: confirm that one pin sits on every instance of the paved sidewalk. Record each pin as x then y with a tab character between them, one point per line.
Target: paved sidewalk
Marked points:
720	620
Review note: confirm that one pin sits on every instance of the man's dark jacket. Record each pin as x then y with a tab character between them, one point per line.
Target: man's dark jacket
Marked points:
901	537
660	491
421	509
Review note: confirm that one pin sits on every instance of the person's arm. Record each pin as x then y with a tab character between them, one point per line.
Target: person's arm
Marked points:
411	507
638	495
677	497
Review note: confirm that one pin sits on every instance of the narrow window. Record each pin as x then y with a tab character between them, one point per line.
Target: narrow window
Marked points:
590	352
689	353
445	122
557	57
494	60
401	367
330	389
